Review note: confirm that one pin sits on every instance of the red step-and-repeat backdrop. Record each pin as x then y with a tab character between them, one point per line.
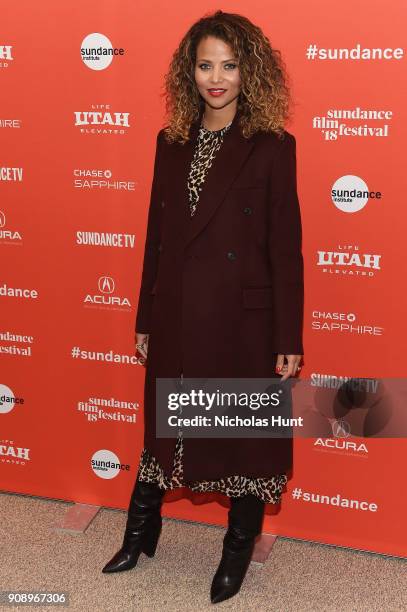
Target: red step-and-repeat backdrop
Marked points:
76	160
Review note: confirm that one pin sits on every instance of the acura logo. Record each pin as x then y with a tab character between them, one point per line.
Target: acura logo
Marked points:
341	429
106	284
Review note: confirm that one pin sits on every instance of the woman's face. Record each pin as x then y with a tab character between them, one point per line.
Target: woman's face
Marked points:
216	72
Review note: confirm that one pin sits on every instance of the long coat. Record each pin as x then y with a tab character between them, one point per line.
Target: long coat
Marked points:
222	292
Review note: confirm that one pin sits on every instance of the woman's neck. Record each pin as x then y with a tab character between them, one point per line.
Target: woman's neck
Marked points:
214	119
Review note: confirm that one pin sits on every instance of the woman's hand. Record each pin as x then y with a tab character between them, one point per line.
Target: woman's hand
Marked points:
290	368
142	344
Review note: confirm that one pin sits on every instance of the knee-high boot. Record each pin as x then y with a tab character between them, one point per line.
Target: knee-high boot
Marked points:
143	527
245	520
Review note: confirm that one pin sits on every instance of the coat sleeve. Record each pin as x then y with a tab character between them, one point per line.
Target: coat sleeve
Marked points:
151	248
285	255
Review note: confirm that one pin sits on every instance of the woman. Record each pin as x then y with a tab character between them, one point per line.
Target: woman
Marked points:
222	284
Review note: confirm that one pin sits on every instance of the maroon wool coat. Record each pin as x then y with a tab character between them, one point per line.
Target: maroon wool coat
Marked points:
222	292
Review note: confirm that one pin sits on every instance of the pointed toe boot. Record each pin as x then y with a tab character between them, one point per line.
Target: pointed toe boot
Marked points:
143	527
245	520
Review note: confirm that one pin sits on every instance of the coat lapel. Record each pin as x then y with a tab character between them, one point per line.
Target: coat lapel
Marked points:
224	170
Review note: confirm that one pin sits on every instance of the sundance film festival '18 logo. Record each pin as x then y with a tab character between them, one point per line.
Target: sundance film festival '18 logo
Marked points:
97	51
355	122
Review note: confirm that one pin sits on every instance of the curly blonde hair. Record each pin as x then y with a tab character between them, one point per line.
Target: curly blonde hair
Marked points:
264	99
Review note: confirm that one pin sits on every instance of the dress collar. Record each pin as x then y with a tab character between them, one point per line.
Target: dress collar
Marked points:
214	133
197	124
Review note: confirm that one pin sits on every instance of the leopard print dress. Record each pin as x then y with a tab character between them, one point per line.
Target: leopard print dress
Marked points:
268	490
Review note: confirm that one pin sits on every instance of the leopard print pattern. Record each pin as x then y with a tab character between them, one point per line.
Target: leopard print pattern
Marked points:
268	490
207	145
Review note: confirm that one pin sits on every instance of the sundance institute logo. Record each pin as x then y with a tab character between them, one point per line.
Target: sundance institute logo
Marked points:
97	51
350	193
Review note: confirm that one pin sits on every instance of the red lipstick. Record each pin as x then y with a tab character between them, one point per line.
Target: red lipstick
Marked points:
216	91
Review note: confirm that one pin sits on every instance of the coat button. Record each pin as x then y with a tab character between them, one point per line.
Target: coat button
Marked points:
247	210
231	255
162	204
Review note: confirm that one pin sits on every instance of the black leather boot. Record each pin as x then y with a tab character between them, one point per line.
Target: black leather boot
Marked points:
245	521
143	527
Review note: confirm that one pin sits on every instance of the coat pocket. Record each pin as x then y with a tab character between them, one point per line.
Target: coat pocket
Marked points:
257	297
